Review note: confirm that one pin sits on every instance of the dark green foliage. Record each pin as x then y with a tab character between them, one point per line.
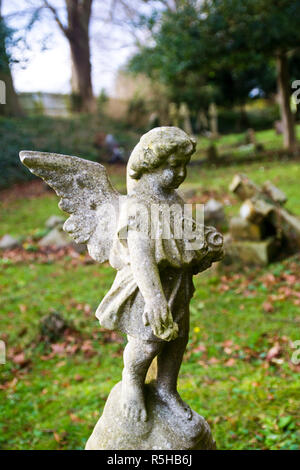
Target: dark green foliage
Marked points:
13	139
72	136
5	35
226	45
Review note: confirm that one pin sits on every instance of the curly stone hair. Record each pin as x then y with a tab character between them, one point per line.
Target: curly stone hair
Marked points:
153	150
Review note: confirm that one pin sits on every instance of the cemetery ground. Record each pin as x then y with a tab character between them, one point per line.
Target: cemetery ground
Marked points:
237	372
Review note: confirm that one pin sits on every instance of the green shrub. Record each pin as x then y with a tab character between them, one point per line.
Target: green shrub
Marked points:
230	120
13	139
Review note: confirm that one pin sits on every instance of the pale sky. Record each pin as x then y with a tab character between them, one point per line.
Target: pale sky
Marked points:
49	70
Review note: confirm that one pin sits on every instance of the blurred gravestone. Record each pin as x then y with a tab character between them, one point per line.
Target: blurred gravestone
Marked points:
264	230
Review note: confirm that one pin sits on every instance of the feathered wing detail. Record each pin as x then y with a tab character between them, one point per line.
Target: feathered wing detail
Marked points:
86	193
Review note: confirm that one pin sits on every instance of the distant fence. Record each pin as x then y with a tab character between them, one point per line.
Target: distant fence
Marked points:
2	92
49	104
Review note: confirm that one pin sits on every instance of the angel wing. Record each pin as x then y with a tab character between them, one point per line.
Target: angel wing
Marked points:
86	193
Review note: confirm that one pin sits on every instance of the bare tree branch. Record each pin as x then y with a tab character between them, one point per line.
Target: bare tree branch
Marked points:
63	28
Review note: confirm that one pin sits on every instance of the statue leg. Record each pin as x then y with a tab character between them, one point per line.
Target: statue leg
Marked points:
168	364
137	356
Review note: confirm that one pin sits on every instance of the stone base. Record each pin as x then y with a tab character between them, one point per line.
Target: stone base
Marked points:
163	430
251	253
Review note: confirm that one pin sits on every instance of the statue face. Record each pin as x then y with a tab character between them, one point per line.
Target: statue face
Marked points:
173	172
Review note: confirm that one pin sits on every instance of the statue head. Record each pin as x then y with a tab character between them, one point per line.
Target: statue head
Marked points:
155	149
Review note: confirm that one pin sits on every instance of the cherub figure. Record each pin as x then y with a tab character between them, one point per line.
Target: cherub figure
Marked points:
149	299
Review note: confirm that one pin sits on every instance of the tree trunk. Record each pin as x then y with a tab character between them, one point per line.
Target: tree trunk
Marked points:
11	106
77	33
287	118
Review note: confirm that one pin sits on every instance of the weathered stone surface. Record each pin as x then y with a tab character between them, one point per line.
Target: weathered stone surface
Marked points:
255	210
251	253
289	226
8	242
149	299
56	237
274	193
262	216
242	229
163	430
243	187
54	221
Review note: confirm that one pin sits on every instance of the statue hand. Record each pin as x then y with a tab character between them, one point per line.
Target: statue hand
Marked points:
158	315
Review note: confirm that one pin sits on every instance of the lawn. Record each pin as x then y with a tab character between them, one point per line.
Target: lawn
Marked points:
235	145
237	370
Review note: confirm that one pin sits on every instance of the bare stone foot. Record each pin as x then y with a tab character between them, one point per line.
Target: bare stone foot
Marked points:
133	402
174	401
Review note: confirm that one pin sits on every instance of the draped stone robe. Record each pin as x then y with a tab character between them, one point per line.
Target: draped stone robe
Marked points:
123	306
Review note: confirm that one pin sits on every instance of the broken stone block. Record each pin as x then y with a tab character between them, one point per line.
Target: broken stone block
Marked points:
54	221
255	210
243	187
242	229
57	237
252	253
274	193
8	242
288	225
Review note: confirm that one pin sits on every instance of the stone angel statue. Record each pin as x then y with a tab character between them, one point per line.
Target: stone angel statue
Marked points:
150	296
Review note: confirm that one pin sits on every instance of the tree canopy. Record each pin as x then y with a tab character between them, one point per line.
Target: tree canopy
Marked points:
223	49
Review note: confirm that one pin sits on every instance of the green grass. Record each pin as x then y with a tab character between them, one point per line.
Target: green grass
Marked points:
235	145
52	401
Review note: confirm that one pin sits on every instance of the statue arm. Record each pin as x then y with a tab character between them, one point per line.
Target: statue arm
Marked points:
146	274
144	267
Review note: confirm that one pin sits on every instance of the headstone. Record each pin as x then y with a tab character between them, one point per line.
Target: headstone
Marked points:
274	193
56	237
262	214
8	242
250	137
173	114
149	299
202	121
213	115
278	127
184	114
54	220
252	253
243	187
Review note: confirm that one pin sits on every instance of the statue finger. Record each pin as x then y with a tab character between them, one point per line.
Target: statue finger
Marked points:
145	318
